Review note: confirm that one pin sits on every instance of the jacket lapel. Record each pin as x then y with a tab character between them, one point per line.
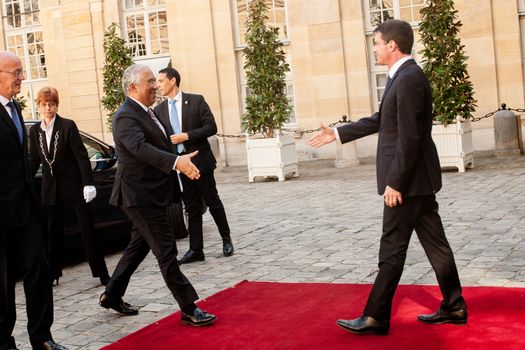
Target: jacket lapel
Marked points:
42	135
185	104
391	82
148	121
164	116
56	128
163	136
6	119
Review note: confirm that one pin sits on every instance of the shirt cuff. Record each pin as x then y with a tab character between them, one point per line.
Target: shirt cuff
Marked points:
337	135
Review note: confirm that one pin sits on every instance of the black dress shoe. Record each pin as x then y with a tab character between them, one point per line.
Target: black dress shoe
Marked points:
365	324
51	345
119	306
199	318
227	246
192	256
104	280
440	316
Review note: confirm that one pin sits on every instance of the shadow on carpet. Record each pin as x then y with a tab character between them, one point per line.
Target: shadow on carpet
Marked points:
289	316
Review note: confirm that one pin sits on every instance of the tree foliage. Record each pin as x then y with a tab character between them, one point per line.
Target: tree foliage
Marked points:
118	57
444	62
267	107
21	100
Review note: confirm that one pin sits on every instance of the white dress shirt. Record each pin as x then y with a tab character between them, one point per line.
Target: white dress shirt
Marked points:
48	130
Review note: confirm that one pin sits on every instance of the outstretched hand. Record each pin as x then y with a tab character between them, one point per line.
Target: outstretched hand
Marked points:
323	137
185	166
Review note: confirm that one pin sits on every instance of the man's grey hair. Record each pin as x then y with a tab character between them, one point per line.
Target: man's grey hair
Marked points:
131	75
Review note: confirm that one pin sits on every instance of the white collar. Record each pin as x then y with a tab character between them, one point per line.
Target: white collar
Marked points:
146	108
177	97
50	125
4	100
398	64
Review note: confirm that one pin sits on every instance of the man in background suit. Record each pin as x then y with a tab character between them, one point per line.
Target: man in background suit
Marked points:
22	250
144	188
408	177
190	122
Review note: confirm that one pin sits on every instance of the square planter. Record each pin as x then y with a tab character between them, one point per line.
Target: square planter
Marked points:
454	145
271	157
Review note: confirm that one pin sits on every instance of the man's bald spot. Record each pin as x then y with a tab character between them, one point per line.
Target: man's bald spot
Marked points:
8	56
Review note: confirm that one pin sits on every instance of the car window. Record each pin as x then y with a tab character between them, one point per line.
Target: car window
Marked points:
94	149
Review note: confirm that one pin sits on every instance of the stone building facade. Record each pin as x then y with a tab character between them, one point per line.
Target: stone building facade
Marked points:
328	45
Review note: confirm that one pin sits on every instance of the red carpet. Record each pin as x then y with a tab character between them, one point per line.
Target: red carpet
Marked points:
288	316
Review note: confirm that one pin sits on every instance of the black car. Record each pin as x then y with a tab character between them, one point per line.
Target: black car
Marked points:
112	225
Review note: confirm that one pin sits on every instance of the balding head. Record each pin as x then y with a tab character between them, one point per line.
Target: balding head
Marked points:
11	74
6	56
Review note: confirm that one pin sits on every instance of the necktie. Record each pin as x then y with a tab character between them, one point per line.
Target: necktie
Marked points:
175	125
16	120
154	117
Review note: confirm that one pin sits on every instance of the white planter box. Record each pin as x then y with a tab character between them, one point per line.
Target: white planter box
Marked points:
454	145
271	157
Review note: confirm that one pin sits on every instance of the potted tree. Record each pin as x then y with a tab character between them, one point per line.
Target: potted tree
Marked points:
444	63
118	57
269	151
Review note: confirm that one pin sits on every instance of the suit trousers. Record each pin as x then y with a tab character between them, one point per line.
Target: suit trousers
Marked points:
194	191
151	231
22	253
419	213
92	246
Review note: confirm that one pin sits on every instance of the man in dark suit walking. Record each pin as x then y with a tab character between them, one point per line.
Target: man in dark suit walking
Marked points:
190	122
408	177
22	250
144	188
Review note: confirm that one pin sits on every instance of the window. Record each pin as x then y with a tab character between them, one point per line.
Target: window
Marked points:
146	27
23	36
376	12
276	18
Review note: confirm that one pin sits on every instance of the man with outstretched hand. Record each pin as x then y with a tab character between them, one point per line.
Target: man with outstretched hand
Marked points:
144	188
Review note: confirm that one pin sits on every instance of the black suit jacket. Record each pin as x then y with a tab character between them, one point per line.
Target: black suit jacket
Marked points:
17	195
407	158
145	160
198	122
71	167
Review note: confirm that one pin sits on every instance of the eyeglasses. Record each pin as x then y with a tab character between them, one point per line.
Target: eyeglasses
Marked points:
150	81
17	73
